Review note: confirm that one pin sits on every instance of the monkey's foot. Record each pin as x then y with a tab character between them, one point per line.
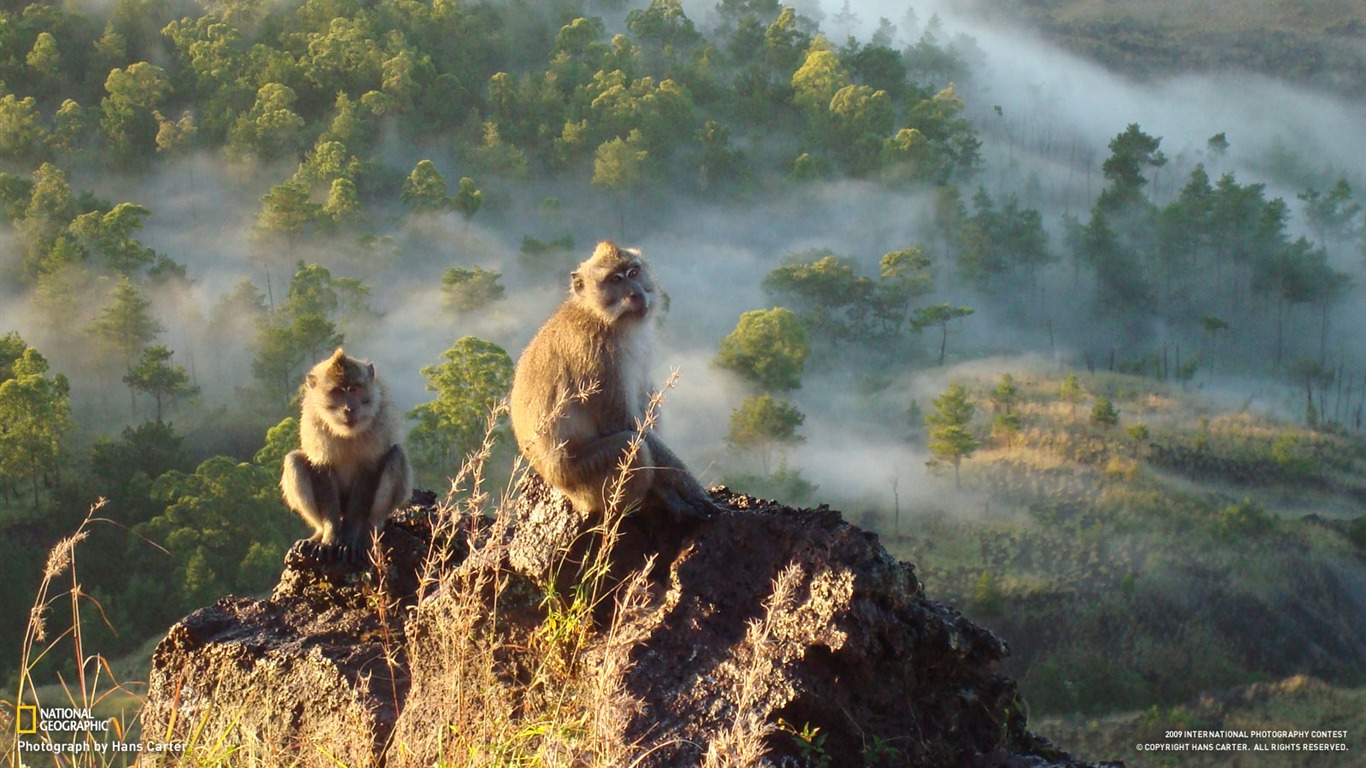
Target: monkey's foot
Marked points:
690	509
309	552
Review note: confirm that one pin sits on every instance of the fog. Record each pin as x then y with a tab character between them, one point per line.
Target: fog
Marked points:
1057	114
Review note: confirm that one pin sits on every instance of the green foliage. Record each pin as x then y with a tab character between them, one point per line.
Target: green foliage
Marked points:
768	347
810	743
939	315
123	470
997	243
425	189
1288	457
951	439
1242	520
838	304
987	596
474	379
153	374
541	255
762	423
468	200
785	484
819	77
467	290
36	412
1138	431
619	164
1103	412
271	128
288	209
129	126
126	324
214	518
304	327
1071	392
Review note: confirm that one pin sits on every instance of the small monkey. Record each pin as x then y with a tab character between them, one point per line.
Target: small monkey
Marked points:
350	471
582	385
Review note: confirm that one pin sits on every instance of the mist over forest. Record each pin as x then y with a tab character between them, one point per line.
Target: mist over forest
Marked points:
222	192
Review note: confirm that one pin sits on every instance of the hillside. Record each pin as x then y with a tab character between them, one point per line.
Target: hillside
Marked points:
1182	551
1305	41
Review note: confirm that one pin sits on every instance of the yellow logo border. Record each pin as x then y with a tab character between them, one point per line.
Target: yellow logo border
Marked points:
19	710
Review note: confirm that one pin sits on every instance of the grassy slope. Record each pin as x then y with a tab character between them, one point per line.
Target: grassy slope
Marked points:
1318	42
1129	572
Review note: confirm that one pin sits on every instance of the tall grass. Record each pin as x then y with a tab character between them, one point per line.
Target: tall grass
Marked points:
95	687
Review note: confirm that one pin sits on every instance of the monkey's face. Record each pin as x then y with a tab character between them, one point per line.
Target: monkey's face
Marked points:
346	399
621	293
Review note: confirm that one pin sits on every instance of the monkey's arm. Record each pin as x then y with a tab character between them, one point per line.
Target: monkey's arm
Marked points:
312	493
394	487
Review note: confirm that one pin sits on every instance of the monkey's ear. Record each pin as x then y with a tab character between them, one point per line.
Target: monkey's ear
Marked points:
576	282
371	368
310	381
339	354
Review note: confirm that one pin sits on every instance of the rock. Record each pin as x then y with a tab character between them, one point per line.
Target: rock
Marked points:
765	628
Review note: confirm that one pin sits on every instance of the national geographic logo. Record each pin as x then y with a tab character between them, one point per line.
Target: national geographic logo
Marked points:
73	731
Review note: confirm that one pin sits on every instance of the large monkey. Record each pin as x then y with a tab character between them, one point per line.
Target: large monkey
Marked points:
598	344
350	471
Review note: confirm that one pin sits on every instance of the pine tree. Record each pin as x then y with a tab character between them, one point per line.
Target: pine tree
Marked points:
950	439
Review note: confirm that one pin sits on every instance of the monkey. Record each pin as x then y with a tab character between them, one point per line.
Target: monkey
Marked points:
350	471
582	385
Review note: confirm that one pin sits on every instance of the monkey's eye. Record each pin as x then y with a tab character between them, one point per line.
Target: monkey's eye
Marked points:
615	278
633	272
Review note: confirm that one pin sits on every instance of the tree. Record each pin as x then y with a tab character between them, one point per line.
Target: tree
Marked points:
475	377
1330	214
127	119
1071	392
123	470
1131	152
1006	423
768	347
468	200
343	202
1213	324
818	79
156	376
1103	412
762	423
21	132
214	519
902	275
619	167
127	325
305	326
467	290
1292	275
36	413
287	209
425	189
271	127
950	439
110	234
1312	374
939	315
831	298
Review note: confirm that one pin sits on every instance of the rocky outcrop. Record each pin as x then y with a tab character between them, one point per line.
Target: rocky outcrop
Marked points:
762	615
